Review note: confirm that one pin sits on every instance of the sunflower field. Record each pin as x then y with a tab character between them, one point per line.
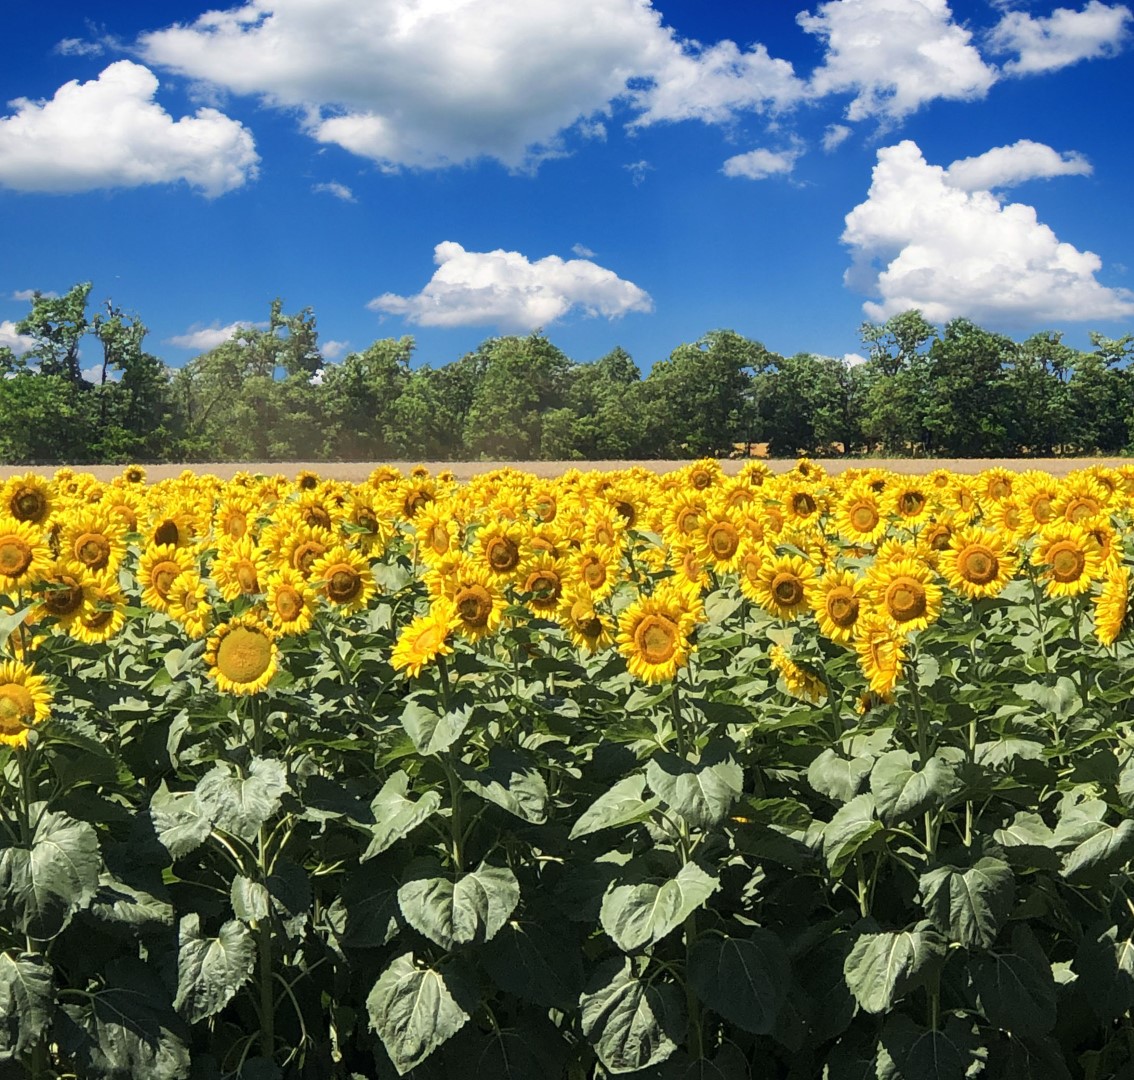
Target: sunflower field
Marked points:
684	776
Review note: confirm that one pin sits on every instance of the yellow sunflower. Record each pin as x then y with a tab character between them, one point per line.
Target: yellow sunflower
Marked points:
300	546
836	603
291	602
344	578
586	626
105	614
903	592
596	567
654	634
1071	559
242	655
189	604
881	652
425	638
1112	604
500	547
64	598
909	501
800	681
977	563
95	537
239	568
24	702
158	566
478	599
23	553
27	498
859	517
540	580
781	586
717	539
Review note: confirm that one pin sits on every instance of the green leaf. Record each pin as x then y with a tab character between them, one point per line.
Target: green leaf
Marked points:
881	967
1105	966
703	792
44	885
745	980
1028	843
1106	852
902	791
473	908
10	621
907	1051
210	970
250	899
26	1001
1001	752
837	777
1024	1058
632	1024
395	815
511	781
969	905
534	960
414	1010
1061	700
623	804
1016	990
124	902
845	834
241	804
433	732
179	820
638	915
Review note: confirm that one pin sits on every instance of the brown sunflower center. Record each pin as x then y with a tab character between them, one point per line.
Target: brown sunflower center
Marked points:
167	532
92	549
438	539
545	587
626	509
656	638
546	507
236	524
688	520
842	606
246	577
163	576
1041	509
306	554
288	603
723	540
910	503
244	654
803	504
937	537
864	517
64	597
978	563
594	572
700	479
906	598
787	589
1000	488
415	501
27	504
503	554
17	708
343	583
15	555
474	605
1080	508
586	622
1067	561
316	516
98	618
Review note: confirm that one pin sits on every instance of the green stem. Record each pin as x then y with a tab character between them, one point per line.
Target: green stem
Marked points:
678	726
264	943
1041	627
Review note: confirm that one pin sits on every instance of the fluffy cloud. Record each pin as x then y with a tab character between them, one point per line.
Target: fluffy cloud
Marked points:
110	132
894	56
202	339
953	252
333	187
835	135
502	288
332	350
30	294
1003	166
9	339
1065	37
759	164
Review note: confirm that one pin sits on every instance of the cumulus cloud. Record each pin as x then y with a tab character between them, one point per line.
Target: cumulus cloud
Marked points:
894	56
110	132
78	47
10	339
333	187
1065	37
953	252
30	294
332	350
1003	166
204	338
759	164
503	288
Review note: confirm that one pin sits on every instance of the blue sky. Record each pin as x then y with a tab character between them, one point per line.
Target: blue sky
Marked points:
615	172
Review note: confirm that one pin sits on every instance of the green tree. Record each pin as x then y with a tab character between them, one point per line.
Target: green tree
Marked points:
360	401
810	404
1039	420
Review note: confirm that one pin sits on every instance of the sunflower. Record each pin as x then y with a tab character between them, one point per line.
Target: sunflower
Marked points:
65	593
242	655
1038	494
584	624
27	498
234	517
799	681
105	614
977	563
1112	604
881	652
500	548
909	501
654	634
996	484
477	597
189	604
23	553
94	537
437	533
24	702
836	603
859	517
690	573
344	578
540	580
370	531
291	602
300	546
1082	500
703	473
803	504
1071	558
134	474
682	517
903	592
425	638
717	540
781	585
158	566
239	568
544	502
170	527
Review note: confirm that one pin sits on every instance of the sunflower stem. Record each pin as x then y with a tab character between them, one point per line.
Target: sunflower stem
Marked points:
1041	627
678	726
264	943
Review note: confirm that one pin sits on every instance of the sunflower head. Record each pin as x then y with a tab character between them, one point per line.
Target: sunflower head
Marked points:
24	702
242	655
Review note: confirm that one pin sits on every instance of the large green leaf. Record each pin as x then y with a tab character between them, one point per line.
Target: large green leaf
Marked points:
969	905
26	1001
638	915
743	979
907	1051
536	960
433	732
902	790
1016	990
241	804
1104	964
512	780
210	970
624	804
44	885
881	967
630	1022
1104	853
396	815
701	792
179	820
1028	842
1013	1057
451	913
848	831
414	1009
837	777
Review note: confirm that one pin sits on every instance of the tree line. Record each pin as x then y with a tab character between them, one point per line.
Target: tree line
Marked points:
268	394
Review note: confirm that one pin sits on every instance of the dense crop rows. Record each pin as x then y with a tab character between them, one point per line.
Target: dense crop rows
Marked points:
679	776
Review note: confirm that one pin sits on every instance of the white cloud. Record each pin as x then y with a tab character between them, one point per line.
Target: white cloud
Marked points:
638	170
835	135
29	294
93	374
1003	166
503	288
759	164
1065	37
204	338
10	339
110	132
582	251
894	56
853	359
333	187
952	252
78	47
332	350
